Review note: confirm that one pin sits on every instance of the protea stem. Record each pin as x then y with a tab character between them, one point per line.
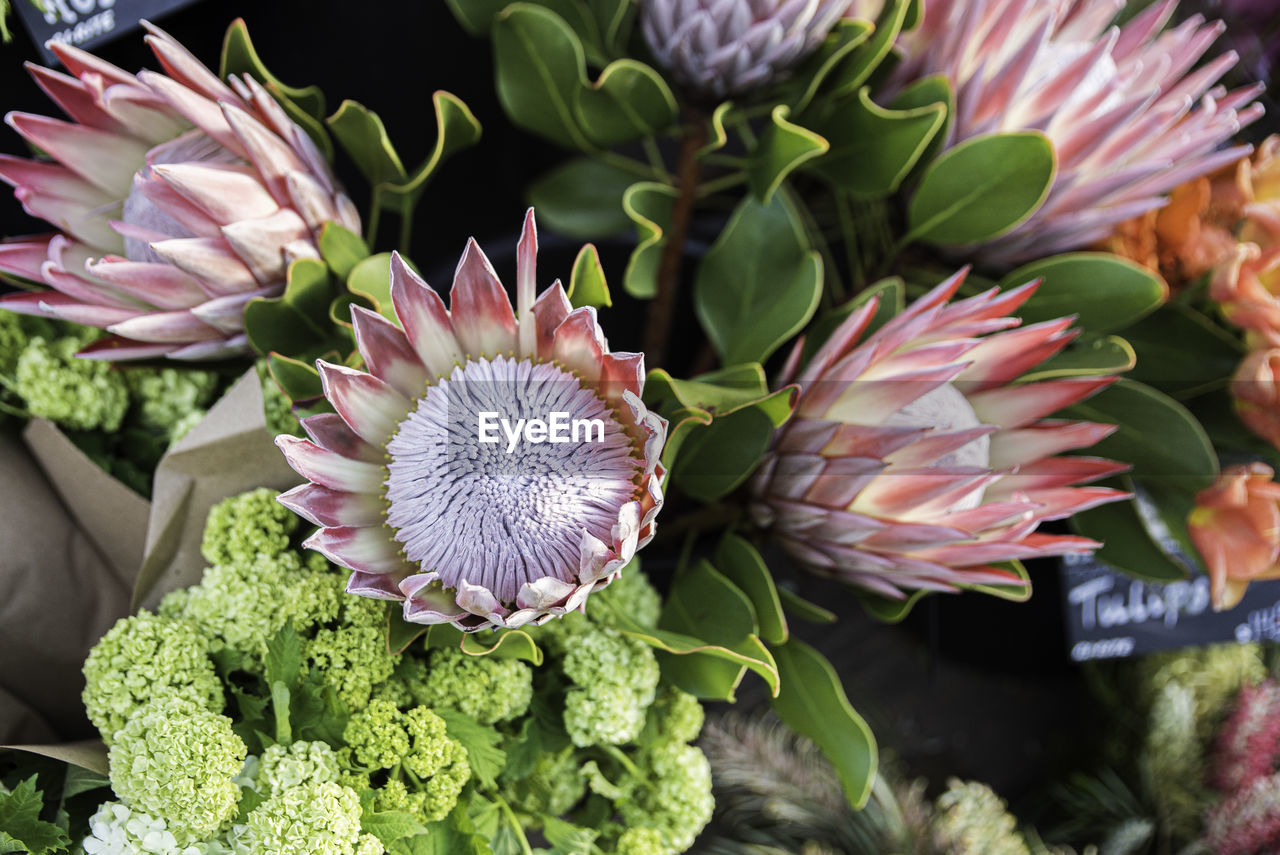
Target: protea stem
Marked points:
658	328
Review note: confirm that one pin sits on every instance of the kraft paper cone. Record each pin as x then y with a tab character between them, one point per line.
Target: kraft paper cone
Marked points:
71	537
229	452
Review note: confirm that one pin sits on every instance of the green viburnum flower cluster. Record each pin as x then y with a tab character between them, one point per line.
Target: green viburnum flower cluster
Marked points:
263	711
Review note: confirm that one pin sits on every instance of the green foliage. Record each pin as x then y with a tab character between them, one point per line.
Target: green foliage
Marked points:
582	198
981	188
313	818
21	828
81	394
170	400
1107	293
489	689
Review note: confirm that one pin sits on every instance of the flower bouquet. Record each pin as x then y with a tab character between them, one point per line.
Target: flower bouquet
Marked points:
918	293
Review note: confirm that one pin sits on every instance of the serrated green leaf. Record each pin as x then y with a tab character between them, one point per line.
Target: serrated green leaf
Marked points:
567	838
283	662
20	821
483	754
873	148
648	205
759	283
587	285
813	703
742	565
371	280
341	248
982	188
1105	291
583	198
783	148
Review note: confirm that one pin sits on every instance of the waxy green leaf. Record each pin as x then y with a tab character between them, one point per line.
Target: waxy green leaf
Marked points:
583	198
1106	292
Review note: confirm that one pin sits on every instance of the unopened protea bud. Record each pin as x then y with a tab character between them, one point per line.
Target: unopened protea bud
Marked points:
914	462
179	198
1129	112
720	48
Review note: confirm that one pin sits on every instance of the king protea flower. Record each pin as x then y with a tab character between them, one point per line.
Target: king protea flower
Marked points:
720	48
464	531
1128	114
913	461
179	199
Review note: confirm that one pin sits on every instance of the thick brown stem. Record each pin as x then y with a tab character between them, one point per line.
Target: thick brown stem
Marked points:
662	308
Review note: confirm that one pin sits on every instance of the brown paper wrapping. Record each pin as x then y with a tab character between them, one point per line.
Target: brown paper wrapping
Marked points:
79	550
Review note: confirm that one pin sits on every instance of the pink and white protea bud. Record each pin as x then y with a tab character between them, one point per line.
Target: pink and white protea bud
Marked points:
432	483
179	198
1129	113
914	462
1255	389
720	48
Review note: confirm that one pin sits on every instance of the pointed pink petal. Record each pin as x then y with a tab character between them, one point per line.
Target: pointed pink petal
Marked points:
424	318
75	99
329	431
25	257
113	348
324	507
80	62
224	192
178	327
330	469
478	305
161	285
621	372
227	313
369	549
579	344
844	337
372	408
376	586
527	285
1018	406
183	67
261	243
83	222
211	261
273	158
550	310
105	160
388	354
1010	448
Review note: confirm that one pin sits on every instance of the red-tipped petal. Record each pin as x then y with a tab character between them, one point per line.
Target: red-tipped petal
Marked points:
224	192
424	318
527	286
579	345
211	261
1017	406
180	327
324	507
330	469
160	285
328	430
388	354
368	549
105	160
481	313
371	407
260	243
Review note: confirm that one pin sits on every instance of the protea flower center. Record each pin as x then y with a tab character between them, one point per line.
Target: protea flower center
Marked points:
480	493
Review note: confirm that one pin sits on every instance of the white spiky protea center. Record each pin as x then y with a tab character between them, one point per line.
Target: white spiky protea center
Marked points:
500	514
946	409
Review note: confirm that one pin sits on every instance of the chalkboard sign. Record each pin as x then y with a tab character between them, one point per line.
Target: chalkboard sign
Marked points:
85	23
1110	615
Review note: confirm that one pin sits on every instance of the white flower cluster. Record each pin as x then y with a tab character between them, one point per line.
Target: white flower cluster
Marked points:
117	829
